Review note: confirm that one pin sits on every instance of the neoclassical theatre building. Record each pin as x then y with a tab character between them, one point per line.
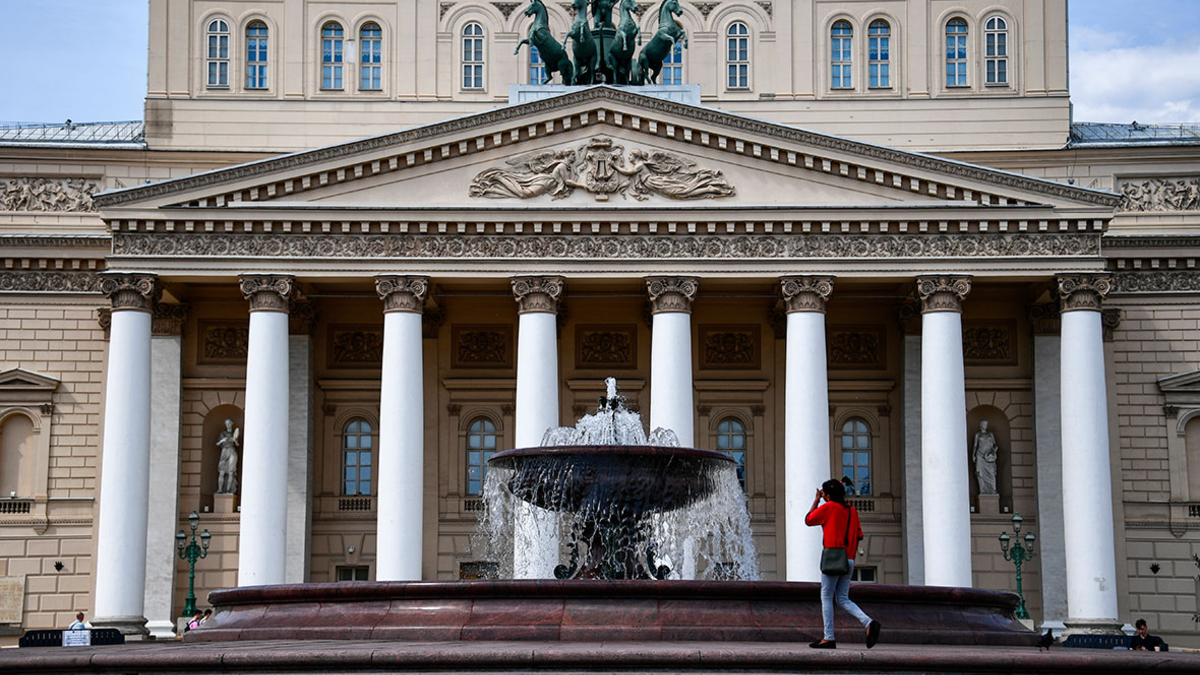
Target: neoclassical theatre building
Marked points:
835	239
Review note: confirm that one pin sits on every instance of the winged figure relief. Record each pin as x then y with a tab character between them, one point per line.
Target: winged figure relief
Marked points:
549	172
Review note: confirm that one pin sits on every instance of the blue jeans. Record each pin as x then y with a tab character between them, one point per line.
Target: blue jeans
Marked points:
838	588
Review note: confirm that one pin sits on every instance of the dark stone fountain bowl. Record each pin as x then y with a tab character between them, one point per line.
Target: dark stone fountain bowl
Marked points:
639	479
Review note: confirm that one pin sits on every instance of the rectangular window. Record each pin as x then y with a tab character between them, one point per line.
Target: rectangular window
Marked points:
672	72
956	60
353	573
473	63
331	63
879	59
840	58
997	58
218	60
256	58
537	67
864	575
370	59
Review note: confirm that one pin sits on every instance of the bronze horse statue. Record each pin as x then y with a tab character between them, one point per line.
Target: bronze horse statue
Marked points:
650	60
620	55
552	53
587	55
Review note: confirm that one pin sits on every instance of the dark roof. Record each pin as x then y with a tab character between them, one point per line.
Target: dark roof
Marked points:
91	134
1101	134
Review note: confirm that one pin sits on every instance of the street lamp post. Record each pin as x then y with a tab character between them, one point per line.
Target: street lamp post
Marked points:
191	552
1017	555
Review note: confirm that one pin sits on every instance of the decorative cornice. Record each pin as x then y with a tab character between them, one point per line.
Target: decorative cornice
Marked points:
167	320
806	293
1083	292
943	293
1161	281
41	281
1110	320
537	294
130	290
402	293
267	292
672	294
1044	319
56	240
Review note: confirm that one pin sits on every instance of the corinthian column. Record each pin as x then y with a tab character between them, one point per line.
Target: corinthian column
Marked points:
535	539
945	495
806	424
671	355
125	456
1087	486
401	430
262	537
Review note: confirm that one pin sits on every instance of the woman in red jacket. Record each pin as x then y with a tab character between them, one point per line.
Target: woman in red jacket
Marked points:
841	529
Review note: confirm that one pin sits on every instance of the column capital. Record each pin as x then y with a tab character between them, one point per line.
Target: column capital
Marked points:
168	319
806	293
1083	292
943	293
1045	319
131	290
267	292
537	294
672	294
402	293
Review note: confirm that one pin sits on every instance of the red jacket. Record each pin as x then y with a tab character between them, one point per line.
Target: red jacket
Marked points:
831	516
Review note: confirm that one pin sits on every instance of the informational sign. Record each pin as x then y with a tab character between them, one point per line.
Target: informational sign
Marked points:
77	638
12	600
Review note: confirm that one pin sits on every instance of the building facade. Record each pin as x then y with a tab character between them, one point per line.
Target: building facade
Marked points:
873	227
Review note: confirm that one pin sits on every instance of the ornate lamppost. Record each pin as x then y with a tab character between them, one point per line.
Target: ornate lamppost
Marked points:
191	552
1017	555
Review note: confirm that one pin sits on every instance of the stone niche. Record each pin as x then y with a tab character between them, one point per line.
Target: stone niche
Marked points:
210	456
998	424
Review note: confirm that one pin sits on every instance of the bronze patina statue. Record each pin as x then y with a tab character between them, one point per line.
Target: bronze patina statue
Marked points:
619	58
552	53
586	51
650	60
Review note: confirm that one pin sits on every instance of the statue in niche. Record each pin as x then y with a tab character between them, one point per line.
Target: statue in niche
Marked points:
227	483
985	449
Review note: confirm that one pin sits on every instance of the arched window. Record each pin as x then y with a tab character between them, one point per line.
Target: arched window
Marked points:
218	54
841	57
731	440
1191	444
879	55
672	71
481	445
16	457
370	57
856	456
956	53
738	42
472	56
256	55
356	458
996	55
537	67
332	42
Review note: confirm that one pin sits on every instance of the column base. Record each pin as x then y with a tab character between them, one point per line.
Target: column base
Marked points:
132	627
161	630
1092	627
1057	628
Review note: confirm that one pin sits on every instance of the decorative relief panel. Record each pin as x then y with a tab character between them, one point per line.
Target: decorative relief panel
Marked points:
857	347
354	346
606	346
47	194
1168	193
50	282
481	345
992	343
223	342
1166	281
730	347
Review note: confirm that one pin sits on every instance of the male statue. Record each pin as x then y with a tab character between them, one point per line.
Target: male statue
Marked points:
985	451
227	466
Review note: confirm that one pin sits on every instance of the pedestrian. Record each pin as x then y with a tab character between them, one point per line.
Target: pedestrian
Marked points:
79	623
207	615
1143	641
841	531
195	622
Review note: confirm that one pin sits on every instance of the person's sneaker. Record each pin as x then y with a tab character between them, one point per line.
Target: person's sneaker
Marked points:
823	644
873	633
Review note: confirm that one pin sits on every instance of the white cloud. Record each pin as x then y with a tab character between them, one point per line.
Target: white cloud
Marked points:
1112	81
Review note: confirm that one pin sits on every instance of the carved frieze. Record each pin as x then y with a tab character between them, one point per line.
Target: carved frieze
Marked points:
671	294
481	345
168	319
1083	291
223	342
355	346
40	281
990	342
25	193
606	346
537	294
806	293
857	347
601	168
402	293
943	293
130	291
267	292
1161	281
730	347
1166	193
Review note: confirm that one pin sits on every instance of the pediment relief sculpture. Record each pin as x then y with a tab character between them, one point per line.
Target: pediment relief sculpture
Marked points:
602	168
1161	194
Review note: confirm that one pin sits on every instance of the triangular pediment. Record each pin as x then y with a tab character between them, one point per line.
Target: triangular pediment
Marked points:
1183	383
26	387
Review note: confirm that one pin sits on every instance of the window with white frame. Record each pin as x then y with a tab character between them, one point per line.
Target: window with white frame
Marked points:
481	445
356	458
332	55
256	55
731	440
864	575
370	57
996	51
956	53
537	67
353	573
879	55
856	457
472	56
218	54
672	67
841	57
737	39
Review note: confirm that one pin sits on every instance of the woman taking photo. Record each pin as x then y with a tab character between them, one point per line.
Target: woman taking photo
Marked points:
841	531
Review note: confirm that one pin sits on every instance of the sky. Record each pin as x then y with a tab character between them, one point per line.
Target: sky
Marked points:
1131	60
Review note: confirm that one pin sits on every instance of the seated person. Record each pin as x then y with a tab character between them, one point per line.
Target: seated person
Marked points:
1144	641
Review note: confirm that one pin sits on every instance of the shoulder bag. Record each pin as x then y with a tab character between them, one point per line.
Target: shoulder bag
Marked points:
834	561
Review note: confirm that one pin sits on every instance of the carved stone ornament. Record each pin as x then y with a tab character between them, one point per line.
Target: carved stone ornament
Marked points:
168	319
943	293
767	7
47	194
351	347
506	8
537	294
443	8
908	315
1163	281
605	346
1044	319
856	348
104	319
130	291
729	347
267	292
672	294
302	317
1168	193
601	168
487	346
1083	292
989	343
431	322
402	294
705	8
1110	320
223	342
806	293
38	281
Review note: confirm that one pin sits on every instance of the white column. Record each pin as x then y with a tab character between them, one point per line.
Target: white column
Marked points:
671	356
262	536
300	444
914	538
401	477
1047	352
1087	480
945	496
535	535
806	420
125	457
163	511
